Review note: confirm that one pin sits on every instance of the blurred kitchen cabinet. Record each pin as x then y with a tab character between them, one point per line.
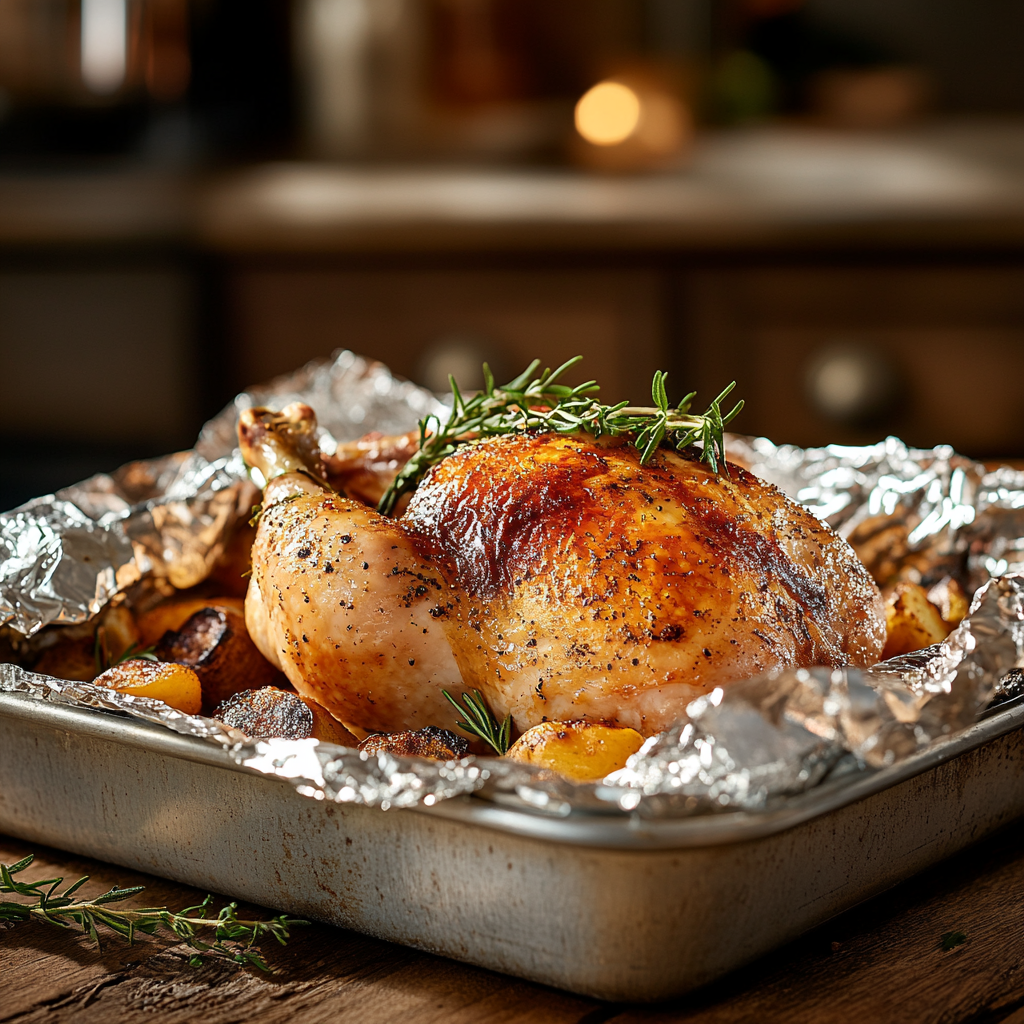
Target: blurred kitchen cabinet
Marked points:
842	353
99	354
413	319
847	354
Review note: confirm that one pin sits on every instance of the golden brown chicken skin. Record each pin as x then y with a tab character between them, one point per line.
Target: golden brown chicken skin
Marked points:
558	576
586	586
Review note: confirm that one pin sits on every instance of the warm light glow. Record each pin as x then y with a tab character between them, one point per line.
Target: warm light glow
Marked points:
104	44
608	114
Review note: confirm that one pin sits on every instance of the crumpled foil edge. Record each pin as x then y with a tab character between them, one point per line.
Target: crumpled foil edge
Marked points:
739	748
745	747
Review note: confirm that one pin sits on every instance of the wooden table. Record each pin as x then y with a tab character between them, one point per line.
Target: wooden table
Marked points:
883	962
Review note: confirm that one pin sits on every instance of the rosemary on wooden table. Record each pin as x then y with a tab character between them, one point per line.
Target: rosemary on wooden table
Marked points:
232	937
542	403
478	720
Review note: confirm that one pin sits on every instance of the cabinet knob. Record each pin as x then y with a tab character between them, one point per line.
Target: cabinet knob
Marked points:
851	382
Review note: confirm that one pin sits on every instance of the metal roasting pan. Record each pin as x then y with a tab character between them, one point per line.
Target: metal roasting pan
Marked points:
601	905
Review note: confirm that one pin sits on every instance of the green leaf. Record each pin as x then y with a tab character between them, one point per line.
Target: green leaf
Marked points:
115	895
736	410
14	912
75	886
20	865
530	403
567	365
520	382
952	939
479	721
653	444
685	402
659	394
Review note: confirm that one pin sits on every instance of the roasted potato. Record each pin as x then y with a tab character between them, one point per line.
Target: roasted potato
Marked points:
948	596
81	652
214	643
270	713
584	751
911	620
437	744
172	615
175	685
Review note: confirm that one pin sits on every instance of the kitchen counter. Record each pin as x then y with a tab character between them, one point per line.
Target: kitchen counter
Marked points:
774	249
941	185
948	186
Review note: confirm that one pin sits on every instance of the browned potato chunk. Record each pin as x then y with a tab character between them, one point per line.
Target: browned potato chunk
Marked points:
270	713
69	658
172	615
214	643
584	751
175	685
948	596
326	727
437	744
912	621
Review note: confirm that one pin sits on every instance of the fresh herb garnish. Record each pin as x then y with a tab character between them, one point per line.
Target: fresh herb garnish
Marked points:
541	403
952	939
479	721
63	910
102	656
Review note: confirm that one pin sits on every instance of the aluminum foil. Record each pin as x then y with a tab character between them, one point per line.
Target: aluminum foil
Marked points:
912	514
63	556
780	734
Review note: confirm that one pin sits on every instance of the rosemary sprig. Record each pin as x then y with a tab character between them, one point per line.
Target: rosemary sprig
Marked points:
62	910
541	403
479	721
102	656
136	652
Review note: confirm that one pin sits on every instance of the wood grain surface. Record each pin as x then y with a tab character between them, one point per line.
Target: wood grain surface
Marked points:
883	961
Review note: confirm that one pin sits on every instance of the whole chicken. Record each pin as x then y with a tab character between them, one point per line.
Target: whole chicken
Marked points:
554	573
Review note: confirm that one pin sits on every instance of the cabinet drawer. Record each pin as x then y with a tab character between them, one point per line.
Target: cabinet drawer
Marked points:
949	343
282	317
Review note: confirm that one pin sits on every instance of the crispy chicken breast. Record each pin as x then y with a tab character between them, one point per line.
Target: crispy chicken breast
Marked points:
557	575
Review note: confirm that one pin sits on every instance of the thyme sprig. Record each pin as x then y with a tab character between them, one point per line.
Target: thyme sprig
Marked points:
233	938
543	403
479	721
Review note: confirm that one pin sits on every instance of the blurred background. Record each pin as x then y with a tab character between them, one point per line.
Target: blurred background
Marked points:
823	199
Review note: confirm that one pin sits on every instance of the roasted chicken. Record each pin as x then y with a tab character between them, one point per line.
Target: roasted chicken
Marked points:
554	573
